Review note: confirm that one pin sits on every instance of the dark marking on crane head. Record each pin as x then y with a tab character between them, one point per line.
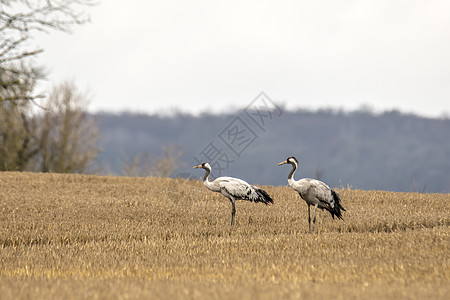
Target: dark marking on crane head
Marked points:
205	166
291	159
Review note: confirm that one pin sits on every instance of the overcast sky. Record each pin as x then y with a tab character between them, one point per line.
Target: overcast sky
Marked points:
195	56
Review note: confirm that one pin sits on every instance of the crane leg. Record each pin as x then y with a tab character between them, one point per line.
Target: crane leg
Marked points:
309	218
233	211
314	220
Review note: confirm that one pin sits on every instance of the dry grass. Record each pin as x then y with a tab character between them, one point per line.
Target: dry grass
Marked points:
78	236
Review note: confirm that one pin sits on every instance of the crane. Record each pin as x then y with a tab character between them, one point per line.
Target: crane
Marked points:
234	189
314	192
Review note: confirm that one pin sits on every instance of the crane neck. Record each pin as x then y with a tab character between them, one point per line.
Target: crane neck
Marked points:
208	183
206	177
291	174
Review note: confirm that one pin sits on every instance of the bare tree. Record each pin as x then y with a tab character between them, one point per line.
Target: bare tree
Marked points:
319	173
16	131
19	20
166	164
138	166
143	165
17	145
66	136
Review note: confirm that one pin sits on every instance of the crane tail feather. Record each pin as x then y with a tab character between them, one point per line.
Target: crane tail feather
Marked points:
263	196
336	210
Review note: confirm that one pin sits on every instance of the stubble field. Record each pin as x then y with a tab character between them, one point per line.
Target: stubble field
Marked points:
96	237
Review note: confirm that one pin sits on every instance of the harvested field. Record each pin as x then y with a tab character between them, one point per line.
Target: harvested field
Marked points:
80	236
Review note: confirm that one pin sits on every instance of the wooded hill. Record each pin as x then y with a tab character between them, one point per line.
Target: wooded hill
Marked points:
388	151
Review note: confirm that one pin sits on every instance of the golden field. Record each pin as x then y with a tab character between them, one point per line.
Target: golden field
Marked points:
100	237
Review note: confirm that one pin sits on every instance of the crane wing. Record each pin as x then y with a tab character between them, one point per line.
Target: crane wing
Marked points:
322	193
239	189
329	198
310	189
235	187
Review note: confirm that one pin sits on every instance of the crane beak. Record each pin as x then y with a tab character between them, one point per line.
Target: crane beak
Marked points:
196	167
282	163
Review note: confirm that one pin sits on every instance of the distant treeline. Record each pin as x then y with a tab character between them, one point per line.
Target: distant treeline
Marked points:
387	151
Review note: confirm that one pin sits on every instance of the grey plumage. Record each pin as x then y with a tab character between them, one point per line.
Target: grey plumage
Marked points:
234	189
315	193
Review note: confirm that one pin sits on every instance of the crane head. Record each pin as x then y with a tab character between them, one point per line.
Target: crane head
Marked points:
290	160
205	166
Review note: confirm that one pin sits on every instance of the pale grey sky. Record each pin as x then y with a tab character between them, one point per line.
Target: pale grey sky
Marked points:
154	56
